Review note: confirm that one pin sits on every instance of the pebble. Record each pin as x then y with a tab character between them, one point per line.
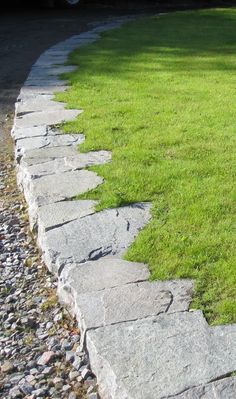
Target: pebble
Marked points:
93	395
36	350
70	355
78	363
48	370
85	373
15	393
66	388
46	358
26	389
7	367
73	375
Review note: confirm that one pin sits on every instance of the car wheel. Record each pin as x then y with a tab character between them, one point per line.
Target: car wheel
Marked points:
69	3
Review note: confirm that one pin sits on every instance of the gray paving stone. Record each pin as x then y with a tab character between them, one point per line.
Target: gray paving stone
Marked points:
27	92
32	168
222	389
54	51
35	131
85	41
109	232
85	35
68	46
72	158
46	118
39	103
51	71
126	302
32	157
107	26
55	188
161	356
52	215
93	276
51	60
44	81
83	160
31	143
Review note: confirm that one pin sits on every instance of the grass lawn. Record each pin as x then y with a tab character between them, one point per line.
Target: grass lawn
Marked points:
160	93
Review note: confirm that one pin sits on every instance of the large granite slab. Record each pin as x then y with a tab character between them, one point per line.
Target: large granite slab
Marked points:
39	155
109	232
46	117
31	168
133	301
94	276
39	103
28	92
37	71
59	213
59	187
35	131
160	357
223	389
27	144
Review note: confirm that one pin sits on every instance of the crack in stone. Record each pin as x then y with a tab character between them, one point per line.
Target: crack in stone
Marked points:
101	254
125	321
63	265
171	300
98	253
20	114
59	224
221	377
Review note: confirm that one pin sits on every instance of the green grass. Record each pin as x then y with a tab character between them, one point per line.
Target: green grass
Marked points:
160	93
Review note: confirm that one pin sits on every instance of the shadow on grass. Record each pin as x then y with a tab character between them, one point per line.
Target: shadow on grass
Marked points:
183	34
159	93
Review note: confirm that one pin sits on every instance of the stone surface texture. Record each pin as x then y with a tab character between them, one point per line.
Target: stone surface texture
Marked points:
59	213
160	357
129	302
222	389
142	340
108	272
95	236
59	187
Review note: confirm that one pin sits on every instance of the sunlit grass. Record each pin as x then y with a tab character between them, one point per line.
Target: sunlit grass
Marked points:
161	94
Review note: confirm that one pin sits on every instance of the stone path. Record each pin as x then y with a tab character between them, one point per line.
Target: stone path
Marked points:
141	339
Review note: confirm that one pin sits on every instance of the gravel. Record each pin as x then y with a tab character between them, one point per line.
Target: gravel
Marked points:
40	354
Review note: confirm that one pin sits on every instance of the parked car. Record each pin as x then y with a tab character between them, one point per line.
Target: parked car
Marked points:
50	3
68	3
63	3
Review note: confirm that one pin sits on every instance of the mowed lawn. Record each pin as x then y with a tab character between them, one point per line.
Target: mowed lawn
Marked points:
160	93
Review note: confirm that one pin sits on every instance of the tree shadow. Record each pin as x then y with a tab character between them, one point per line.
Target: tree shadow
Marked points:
181	41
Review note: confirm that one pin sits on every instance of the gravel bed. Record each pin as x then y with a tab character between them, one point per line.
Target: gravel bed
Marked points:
40	355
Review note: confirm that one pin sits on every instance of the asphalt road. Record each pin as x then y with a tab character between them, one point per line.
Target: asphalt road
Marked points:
24	35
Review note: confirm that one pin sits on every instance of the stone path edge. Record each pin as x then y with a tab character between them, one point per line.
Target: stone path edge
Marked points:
142	341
